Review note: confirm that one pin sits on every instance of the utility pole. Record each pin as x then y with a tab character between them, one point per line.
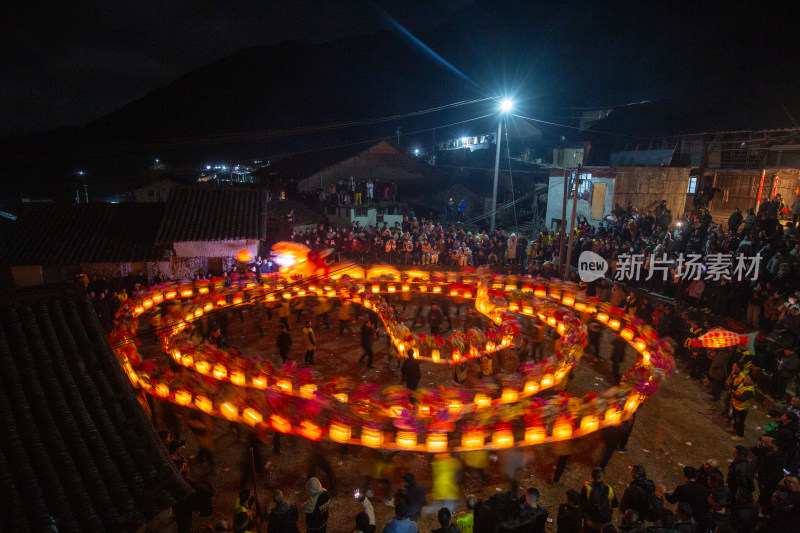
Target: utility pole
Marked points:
572	223
398	134
563	232
496	170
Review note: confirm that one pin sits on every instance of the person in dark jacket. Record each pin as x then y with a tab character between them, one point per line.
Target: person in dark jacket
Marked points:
690	492
617	356
785	436
741	472
444	518
284	342
413	495
684	522
532	517
570	514
367	336
711	466
744	513
283	517
735	220
718	516
637	495
769	472
411	372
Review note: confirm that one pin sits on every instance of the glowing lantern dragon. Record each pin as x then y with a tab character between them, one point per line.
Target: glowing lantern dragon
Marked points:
302	403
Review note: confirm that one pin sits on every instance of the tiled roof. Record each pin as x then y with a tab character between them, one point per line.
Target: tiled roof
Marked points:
211	214
69	234
77	448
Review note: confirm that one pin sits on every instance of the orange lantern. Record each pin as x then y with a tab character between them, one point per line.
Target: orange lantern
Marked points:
339	432
589	423
481	400
252	417
220	372
162	390
244	256
503	438
612	416
229	411
406	439
308	390
535	434
531	387
183	397
202	366
436	442
472	440
435	355
280	424
371	437
260	382
310	430
562	429
284	384
627	334
509	396
547	381
203	403
237	378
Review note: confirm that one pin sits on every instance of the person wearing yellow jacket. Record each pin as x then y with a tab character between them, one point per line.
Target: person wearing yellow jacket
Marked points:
742	401
310	341
445	487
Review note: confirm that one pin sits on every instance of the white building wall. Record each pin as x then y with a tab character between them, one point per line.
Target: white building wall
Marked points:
555	199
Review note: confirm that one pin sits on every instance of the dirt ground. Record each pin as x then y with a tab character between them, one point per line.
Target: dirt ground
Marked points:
677	426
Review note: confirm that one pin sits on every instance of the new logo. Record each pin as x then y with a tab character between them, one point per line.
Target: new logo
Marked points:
591	266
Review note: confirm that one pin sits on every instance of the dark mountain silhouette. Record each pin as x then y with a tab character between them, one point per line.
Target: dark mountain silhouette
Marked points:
552	56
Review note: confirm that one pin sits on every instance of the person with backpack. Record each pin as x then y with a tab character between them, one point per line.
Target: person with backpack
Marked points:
597	501
641	496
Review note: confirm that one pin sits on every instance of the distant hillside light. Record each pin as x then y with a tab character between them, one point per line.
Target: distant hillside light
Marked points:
416	151
506	105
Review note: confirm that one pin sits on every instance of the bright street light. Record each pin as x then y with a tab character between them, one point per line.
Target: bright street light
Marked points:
505	106
416	151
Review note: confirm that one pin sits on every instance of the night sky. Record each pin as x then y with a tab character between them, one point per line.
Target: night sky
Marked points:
65	63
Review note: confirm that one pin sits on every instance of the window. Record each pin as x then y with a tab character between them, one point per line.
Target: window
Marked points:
692	187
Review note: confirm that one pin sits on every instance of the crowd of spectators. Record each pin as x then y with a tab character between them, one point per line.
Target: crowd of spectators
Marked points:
763	297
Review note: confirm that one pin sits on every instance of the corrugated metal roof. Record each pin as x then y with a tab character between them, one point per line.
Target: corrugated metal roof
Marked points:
69	234
77	447
210	214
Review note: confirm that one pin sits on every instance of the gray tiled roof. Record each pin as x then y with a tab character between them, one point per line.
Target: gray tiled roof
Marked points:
211	214
76	444
69	234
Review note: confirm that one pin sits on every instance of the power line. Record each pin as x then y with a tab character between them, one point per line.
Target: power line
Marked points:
179	142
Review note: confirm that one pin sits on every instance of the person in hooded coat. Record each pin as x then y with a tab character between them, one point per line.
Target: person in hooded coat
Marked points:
316	507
